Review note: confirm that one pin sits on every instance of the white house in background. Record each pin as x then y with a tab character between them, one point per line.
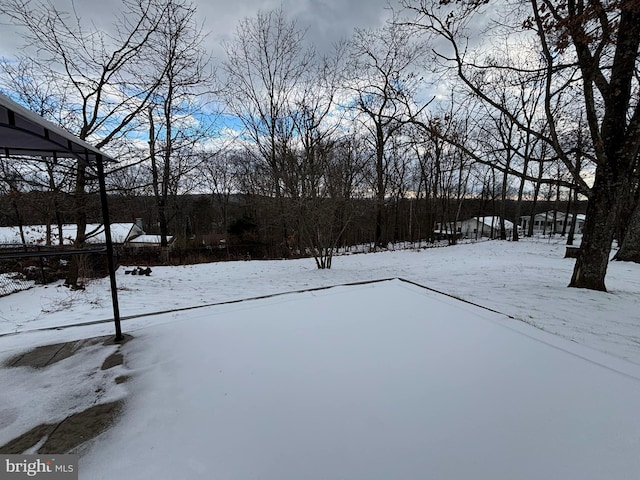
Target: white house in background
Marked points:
546	223
487	227
34	235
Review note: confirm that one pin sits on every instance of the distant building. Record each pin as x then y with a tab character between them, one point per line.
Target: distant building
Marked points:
122	234
551	222
36	235
484	227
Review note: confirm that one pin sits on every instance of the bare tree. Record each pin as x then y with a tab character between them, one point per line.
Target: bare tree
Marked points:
221	175
529	98
318	214
590	45
102	75
382	83
176	125
41	93
264	71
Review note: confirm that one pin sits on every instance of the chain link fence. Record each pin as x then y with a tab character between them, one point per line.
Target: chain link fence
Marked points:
13	282
20	269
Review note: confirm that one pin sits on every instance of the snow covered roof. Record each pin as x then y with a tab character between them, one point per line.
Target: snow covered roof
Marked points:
559	216
493	222
37	234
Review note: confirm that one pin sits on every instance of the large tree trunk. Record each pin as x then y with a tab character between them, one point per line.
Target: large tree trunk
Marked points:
630	248
597	235
617	143
628	203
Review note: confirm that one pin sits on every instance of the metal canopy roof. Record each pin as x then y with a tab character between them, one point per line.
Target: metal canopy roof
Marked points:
23	132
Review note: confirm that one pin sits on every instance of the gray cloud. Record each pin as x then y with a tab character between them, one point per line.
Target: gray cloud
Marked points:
327	21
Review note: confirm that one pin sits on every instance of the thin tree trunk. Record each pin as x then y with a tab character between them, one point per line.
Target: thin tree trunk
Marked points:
380	242
536	193
503	203
81	223
567	213
574	219
518	209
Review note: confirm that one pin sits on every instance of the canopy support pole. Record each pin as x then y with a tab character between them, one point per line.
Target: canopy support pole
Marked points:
109	244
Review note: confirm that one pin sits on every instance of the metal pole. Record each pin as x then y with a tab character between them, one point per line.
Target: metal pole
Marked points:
109	245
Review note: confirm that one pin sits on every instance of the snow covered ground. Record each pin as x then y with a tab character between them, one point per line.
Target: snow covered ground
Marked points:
384	380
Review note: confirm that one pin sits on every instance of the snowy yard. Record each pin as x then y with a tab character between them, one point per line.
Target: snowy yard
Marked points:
380	380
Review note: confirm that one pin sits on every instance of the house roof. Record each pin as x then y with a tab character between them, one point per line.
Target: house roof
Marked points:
37	234
493	222
549	214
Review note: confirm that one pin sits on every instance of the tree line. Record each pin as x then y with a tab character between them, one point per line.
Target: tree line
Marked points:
450	101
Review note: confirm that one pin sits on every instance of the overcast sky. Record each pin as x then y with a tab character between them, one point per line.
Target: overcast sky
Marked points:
327	20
